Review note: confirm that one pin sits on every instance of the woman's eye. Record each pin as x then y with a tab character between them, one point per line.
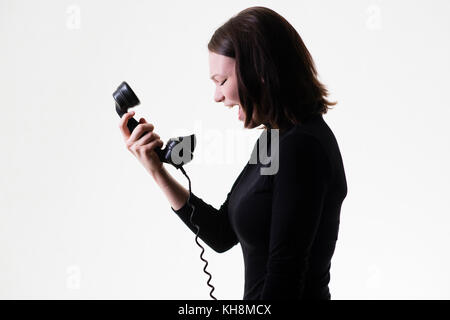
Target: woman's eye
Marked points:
223	82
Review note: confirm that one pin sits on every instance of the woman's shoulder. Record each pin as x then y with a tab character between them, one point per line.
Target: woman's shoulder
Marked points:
295	142
303	135
305	142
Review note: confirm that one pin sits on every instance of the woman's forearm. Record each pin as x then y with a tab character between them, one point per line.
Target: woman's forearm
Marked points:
173	190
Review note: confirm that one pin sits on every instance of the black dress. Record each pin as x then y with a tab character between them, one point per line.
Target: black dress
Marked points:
287	223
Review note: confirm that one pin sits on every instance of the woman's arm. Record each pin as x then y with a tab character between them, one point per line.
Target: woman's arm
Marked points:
215	227
172	189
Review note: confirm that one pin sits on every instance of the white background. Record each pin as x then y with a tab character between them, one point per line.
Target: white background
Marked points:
82	219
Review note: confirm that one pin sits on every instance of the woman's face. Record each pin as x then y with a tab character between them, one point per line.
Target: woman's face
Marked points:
222	73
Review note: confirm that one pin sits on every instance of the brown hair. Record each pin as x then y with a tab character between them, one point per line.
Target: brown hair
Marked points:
275	72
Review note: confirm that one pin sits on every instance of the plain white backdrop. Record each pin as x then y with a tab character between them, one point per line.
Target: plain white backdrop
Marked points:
80	218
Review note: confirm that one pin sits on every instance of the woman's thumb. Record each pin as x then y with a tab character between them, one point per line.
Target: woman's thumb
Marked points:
142	120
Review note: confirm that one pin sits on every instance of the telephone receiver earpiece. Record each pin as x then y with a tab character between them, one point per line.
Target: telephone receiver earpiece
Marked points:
173	153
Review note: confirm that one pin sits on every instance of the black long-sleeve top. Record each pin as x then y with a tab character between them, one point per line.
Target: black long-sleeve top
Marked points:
286	223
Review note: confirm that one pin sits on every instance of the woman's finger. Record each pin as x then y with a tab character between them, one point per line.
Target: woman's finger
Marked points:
139	131
152	145
123	124
148	137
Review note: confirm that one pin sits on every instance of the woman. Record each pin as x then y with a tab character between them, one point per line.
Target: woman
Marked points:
286	222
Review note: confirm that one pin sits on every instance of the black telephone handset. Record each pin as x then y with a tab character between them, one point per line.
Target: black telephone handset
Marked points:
126	98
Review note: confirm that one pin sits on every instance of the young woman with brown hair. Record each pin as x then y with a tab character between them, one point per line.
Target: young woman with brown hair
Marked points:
286	223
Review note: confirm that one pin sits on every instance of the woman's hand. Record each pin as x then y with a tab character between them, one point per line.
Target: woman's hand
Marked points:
142	148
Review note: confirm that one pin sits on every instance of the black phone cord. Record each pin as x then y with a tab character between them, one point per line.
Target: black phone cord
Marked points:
196	237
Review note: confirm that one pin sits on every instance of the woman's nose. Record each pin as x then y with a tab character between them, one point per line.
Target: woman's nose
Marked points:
218	96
